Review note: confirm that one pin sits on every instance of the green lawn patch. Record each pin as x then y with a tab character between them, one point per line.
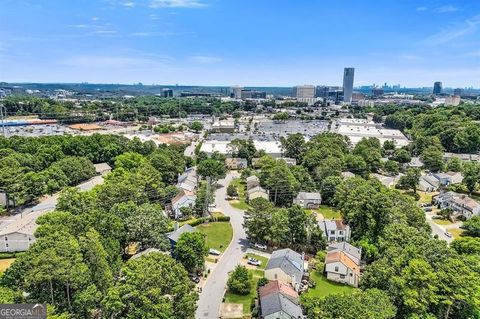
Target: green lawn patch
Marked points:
245	300
456	232
425	198
264	260
329	212
219	234
241	203
326	287
443	222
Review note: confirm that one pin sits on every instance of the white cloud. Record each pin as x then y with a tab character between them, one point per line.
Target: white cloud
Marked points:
176	4
128	4
447	9
469	26
422	8
205	59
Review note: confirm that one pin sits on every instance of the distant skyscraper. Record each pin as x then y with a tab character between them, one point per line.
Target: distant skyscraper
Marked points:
458	92
167	92
236	92
437	88
348	75
304	91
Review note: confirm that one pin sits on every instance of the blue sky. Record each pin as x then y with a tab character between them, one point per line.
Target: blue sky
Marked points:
241	42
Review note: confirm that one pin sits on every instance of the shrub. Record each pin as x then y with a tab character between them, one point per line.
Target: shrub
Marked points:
240	281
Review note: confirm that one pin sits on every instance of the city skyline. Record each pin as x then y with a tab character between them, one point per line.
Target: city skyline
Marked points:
213	42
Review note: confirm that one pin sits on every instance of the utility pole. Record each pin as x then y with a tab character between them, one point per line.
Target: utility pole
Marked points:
207	198
3	113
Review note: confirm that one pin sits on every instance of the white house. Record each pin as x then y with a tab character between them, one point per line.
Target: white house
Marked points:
287	266
342	264
19	235
183	199
188	180
257	192
252	181
308	200
431	182
335	230
459	203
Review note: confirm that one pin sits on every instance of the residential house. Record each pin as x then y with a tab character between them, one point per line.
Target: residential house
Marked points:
464	157
175	235
347	174
461	204
236	163
257	192
415	162
308	200
279	300
19	234
287	266
183	199
252	181
102	168
342	264
433	181
289	161
188	180
335	230
146	252
387	181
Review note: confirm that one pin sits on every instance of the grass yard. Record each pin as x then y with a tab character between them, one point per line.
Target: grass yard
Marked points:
241	203
264	260
329	212
325	287
245	300
5	263
443	222
219	234
456	232
425	198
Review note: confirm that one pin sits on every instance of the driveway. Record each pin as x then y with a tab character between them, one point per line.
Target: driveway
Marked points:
214	289
438	229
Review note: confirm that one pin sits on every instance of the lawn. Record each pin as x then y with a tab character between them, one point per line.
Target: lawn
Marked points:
325	287
5	263
219	234
241	203
443	222
456	232
425	198
329	212
245	300
264	260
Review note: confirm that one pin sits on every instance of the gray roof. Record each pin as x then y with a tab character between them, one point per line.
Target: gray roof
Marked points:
288	261
347	248
277	302
307	195
173	236
252	178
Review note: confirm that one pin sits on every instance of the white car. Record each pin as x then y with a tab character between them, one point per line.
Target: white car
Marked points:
448	234
253	261
260	246
214	252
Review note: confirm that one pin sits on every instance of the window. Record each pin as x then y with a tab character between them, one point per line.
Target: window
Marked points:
342	276
351	274
6	238
332	232
336	268
276	276
340	232
6	245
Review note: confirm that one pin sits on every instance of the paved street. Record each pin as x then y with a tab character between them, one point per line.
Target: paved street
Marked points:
213	291
438	230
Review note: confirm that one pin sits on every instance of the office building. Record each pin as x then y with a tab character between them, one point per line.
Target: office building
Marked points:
377	91
167	93
249	94
458	92
437	88
236	92
348	77
304	91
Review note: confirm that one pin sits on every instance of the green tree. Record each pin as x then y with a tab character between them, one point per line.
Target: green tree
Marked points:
294	146
467	245
191	250
410	180
471	175
147	226
454	165
281	116
432	158
212	168
402	156
472	226
240	281
129	160
196	126
391	167
328	187
152	286
232	190
257	220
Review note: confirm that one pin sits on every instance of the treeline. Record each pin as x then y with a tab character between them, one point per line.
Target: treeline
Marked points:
78	262
31	167
455	127
138	108
409	274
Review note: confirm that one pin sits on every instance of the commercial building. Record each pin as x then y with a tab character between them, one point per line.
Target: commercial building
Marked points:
348	78
304	91
167	93
236	92
458	92
437	88
272	148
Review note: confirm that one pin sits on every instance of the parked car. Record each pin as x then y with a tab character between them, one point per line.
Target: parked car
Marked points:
214	252
260	246
448	234
194	278
253	261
